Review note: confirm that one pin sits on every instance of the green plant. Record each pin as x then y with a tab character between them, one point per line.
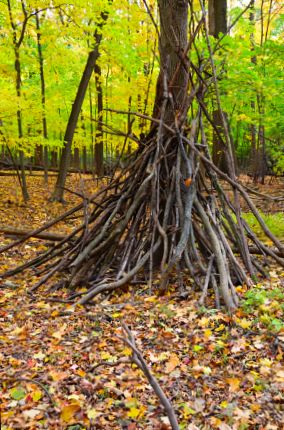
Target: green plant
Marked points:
275	223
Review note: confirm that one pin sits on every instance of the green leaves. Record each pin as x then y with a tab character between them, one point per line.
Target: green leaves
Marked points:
17	393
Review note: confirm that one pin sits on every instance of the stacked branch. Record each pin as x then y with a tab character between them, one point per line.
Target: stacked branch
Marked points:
166	211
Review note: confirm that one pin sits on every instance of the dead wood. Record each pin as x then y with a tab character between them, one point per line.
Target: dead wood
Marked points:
138	359
13	231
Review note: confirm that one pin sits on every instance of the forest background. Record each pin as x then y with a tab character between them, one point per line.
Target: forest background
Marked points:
52	43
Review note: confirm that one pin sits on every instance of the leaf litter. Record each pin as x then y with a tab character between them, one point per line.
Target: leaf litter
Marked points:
65	368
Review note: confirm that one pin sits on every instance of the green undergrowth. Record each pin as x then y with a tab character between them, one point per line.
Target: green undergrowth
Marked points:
275	223
266	304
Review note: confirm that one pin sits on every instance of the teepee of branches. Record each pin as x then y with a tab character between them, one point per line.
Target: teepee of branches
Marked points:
167	211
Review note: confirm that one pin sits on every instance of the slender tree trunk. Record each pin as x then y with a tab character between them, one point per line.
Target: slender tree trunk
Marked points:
43	149
16	46
99	144
217	25
71	126
261	153
54	157
253	128
91	127
20	125
76	159
258	151
217	17
74	115
84	148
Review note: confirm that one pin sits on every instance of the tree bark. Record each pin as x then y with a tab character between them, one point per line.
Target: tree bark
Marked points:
173	45
75	112
99	144
16	47
217	25
217	17
43	148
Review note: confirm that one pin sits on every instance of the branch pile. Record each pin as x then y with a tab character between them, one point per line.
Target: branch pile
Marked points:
165	212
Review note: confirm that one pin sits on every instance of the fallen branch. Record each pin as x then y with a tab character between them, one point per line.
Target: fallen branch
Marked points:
263	196
13	379
108	363
13	231
138	359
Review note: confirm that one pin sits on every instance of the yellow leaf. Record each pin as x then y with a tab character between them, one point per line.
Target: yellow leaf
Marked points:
135	413
203	322
116	315
20	331
255	407
244	323
151	299
127	352
36	395
172	363
58	334
234	384
220	328
55	313
105	355
69	411
207	333
92	414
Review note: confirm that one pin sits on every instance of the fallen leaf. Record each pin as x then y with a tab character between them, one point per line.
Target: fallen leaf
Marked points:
234	384
68	412
92	414
172	363
32	413
17	393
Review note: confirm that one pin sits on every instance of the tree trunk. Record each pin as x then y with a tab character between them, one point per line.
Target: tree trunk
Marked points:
218	25
217	17
99	143
74	115
16	46
91	129
258	150
173	45
71	126
43	148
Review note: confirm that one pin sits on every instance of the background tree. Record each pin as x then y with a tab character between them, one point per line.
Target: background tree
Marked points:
75	112
217	12
42	149
17	42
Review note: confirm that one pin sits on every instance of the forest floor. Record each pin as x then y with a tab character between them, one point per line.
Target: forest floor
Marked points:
67	368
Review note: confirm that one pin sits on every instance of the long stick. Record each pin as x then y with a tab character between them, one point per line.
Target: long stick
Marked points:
138	359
